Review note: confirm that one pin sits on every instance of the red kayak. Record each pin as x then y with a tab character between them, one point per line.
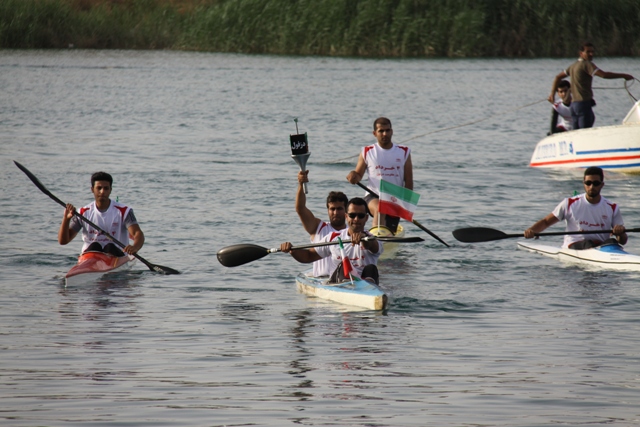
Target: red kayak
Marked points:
93	265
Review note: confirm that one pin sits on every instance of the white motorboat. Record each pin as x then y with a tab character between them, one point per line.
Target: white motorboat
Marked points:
616	148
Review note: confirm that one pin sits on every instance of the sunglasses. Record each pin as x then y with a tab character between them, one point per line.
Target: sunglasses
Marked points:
594	183
356	215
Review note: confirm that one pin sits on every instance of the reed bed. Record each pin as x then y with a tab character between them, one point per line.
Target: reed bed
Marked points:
367	28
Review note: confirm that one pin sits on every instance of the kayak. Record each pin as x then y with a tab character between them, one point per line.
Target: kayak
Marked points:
93	265
610	256
359	293
390	249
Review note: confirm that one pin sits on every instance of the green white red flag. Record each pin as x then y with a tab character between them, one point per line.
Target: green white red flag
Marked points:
346	263
397	201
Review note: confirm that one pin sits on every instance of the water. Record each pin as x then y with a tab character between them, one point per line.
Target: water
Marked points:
197	143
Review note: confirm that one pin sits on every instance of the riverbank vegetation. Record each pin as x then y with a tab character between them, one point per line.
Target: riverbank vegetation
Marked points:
367	28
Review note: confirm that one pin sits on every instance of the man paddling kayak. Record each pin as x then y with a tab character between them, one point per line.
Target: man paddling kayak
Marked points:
585	212
318	229
362	254
384	160
116	218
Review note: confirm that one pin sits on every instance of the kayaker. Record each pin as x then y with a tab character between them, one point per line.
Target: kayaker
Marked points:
363	254
585	212
581	73
317	228
114	217
383	160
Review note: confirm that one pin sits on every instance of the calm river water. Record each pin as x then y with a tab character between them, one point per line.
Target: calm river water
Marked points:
198	144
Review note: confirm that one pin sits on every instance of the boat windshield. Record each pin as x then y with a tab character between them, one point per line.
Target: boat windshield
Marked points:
633	117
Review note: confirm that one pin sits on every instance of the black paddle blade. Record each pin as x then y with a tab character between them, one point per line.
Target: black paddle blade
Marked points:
478	234
235	255
164	270
400	239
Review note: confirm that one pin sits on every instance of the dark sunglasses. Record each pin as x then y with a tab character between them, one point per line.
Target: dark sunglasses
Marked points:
358	215
594	183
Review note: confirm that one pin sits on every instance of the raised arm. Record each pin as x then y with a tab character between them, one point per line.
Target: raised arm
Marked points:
554	86
308	219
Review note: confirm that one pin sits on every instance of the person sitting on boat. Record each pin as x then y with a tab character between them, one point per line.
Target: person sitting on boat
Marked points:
561	112
581	73
116	218
383	160
363	254
585	212
336	210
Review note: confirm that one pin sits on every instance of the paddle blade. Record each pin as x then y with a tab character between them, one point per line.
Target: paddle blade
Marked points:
235	255
164	270
478	234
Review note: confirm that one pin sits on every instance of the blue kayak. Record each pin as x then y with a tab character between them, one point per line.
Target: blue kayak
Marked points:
359	293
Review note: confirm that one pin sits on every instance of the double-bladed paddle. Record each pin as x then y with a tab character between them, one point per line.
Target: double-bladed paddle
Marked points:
235	255
36	181
485	234
420	226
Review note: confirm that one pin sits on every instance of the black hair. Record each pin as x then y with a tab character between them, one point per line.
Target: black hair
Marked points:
101	176
337	196
359	201
594	170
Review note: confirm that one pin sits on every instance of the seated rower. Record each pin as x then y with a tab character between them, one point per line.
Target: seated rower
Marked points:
363	254
586	212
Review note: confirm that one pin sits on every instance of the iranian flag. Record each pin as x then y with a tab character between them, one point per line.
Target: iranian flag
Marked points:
397	201
346	264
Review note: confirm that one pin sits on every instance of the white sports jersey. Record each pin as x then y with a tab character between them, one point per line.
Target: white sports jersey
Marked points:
111	221
359	256
580	215
385	164
322	267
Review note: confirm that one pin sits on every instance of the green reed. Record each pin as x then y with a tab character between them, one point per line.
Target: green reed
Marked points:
369	28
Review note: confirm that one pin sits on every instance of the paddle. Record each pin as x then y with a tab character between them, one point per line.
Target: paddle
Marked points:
485	234
235	255
420	226
36	181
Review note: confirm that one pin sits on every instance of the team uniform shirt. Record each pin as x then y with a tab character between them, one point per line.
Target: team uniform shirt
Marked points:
385	164
359	256
564	116
580	215
115	220
322	267
581	73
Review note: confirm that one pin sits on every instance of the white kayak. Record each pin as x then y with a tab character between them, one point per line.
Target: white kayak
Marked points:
611	256
359	293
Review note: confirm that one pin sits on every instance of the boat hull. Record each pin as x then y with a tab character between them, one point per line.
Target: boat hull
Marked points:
358	293
390	248
616	148
610	257
93	265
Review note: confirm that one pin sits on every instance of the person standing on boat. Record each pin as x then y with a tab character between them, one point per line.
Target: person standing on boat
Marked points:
318	229
561	116
383	160
116	218
363	254
581	73
585	212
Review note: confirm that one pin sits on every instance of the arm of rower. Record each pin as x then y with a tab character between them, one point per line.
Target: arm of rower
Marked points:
304	256
138	239
541	225
66	234
408	173
356	175
309	221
